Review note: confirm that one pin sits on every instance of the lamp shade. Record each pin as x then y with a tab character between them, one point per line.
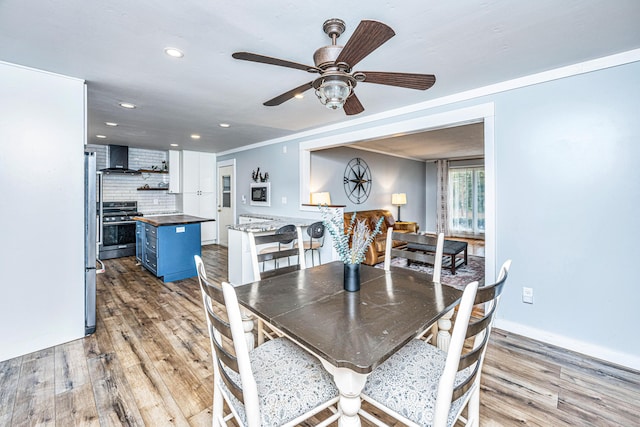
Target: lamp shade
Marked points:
399	199
333	93
321	198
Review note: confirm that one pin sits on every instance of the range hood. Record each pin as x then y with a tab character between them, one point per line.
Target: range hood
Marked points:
118	157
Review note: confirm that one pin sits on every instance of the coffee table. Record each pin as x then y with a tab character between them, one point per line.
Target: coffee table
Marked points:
451	248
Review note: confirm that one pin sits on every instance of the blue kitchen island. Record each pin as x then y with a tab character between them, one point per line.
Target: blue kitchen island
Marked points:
166	244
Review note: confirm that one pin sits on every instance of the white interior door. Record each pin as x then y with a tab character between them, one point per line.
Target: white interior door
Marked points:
226	201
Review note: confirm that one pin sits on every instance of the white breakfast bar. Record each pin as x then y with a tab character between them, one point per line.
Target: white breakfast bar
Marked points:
239	259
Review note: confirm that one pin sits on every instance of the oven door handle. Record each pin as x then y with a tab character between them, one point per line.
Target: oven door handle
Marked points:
119	223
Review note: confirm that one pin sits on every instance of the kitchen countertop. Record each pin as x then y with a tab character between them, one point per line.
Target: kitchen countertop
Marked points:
270	223
161	220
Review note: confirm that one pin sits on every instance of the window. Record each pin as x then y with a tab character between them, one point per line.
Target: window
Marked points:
466	201
226	191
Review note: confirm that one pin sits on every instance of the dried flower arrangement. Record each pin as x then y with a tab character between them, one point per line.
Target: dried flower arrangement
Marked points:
358	233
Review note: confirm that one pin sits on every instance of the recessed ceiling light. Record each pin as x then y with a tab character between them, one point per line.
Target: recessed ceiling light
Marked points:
101	136
224	125
195	136
174	145
111	124
127	105
173	52
298	96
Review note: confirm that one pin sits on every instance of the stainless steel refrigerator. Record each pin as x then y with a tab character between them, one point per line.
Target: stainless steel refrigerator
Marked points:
93	200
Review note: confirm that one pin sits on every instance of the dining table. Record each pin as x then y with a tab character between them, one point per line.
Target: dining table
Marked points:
351	333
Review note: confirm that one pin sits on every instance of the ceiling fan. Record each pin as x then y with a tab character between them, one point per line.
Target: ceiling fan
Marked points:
334	63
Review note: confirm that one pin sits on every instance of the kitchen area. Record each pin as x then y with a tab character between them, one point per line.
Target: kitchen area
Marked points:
144	194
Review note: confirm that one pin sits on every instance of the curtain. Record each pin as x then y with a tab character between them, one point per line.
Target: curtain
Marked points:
442	206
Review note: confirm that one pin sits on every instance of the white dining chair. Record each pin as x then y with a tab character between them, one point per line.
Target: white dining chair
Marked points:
421	385
275	384
280	245
284	248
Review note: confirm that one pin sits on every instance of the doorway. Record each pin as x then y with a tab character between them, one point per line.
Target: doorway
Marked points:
473	114
226	199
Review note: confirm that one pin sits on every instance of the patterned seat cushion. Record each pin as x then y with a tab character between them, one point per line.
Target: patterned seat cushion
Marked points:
290	382
407	382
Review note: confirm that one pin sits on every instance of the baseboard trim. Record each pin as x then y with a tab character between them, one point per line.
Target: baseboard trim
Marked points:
592	350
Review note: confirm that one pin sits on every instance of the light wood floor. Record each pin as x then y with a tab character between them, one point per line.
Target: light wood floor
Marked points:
149	364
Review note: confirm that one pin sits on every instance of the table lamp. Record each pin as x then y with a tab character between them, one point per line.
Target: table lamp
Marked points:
321	198
399	199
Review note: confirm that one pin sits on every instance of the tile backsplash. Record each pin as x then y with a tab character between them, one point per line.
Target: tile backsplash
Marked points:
125	187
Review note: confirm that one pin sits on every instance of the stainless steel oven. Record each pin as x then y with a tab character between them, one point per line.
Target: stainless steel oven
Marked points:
118	229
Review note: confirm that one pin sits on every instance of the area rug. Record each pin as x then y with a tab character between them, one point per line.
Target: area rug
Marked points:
465	274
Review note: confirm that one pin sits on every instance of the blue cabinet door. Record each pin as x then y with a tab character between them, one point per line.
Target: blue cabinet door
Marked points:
177	244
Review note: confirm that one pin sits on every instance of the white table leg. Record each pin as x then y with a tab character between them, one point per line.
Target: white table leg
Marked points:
444	336
350	385
247	324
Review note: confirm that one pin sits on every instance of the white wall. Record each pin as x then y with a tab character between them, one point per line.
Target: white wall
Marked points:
42	214
281	162
568	190
566	175
389	175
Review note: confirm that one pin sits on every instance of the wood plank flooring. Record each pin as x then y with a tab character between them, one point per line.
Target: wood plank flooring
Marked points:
148	364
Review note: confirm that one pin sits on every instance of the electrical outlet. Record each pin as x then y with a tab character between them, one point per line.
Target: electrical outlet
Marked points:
527	295
284	200
155	201
284	149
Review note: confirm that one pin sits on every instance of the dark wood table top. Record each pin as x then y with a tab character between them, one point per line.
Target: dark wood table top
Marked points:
355	330
161	220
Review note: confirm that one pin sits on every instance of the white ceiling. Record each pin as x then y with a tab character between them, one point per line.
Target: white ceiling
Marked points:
117	47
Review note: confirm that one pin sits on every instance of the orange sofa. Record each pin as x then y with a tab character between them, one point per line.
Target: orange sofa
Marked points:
375	251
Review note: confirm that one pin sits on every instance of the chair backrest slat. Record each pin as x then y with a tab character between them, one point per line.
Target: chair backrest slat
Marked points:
228	357
472	356
397	247
466	385
284	238
272	256
234	388
413	256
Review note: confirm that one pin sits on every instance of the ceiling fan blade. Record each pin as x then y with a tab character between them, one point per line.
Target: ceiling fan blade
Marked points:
288	95
352	105
408	80
247	56
368	36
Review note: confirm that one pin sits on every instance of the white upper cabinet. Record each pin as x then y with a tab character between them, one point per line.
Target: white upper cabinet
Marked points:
198	188
198	172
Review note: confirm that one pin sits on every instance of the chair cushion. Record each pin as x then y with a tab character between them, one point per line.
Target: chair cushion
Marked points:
290	382
407	383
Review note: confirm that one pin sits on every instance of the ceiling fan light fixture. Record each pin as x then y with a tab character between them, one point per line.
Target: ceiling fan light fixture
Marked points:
334	92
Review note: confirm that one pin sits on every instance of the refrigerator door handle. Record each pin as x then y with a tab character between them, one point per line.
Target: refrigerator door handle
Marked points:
100	209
